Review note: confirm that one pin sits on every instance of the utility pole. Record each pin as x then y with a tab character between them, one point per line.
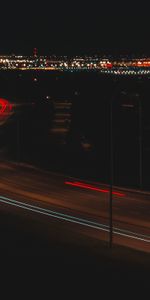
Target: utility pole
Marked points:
140	145
139	110
18	141
111	177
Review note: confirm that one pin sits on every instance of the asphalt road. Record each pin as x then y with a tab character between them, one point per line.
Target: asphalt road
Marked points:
83	206
54	236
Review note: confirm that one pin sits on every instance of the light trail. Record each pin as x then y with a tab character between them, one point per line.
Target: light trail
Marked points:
72	219
47	211
91	187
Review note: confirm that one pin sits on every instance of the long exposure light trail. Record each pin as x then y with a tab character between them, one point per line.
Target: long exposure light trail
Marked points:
91	187
73	219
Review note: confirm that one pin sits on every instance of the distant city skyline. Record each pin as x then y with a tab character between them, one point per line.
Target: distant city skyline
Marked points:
105	65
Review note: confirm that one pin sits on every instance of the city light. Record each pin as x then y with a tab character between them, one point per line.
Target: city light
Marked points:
124	66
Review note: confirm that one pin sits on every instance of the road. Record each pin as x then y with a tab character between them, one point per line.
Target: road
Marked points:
77	203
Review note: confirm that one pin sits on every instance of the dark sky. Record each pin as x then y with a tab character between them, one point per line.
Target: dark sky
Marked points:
74	27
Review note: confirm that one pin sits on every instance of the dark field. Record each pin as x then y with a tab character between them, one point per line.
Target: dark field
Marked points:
63	124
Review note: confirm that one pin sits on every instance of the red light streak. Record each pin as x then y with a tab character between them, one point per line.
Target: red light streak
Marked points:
91	187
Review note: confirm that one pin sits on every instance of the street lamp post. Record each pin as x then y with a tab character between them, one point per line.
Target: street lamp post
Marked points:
112	164
140	145
18	141
140	141
111	177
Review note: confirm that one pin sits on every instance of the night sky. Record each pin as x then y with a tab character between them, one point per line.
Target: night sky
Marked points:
74	27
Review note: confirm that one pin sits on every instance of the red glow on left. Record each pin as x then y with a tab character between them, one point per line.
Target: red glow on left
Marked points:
5	108
91	187
3	105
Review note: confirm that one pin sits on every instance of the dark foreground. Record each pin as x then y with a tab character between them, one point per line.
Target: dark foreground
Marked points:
34	245
56	260
28	242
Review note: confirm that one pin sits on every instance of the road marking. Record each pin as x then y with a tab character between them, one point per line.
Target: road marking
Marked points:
72	219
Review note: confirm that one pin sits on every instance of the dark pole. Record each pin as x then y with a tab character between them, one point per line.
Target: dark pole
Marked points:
18	141
140	144
111	177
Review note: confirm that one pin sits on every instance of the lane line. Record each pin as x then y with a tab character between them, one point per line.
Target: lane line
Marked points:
73	219
70	216
48	210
